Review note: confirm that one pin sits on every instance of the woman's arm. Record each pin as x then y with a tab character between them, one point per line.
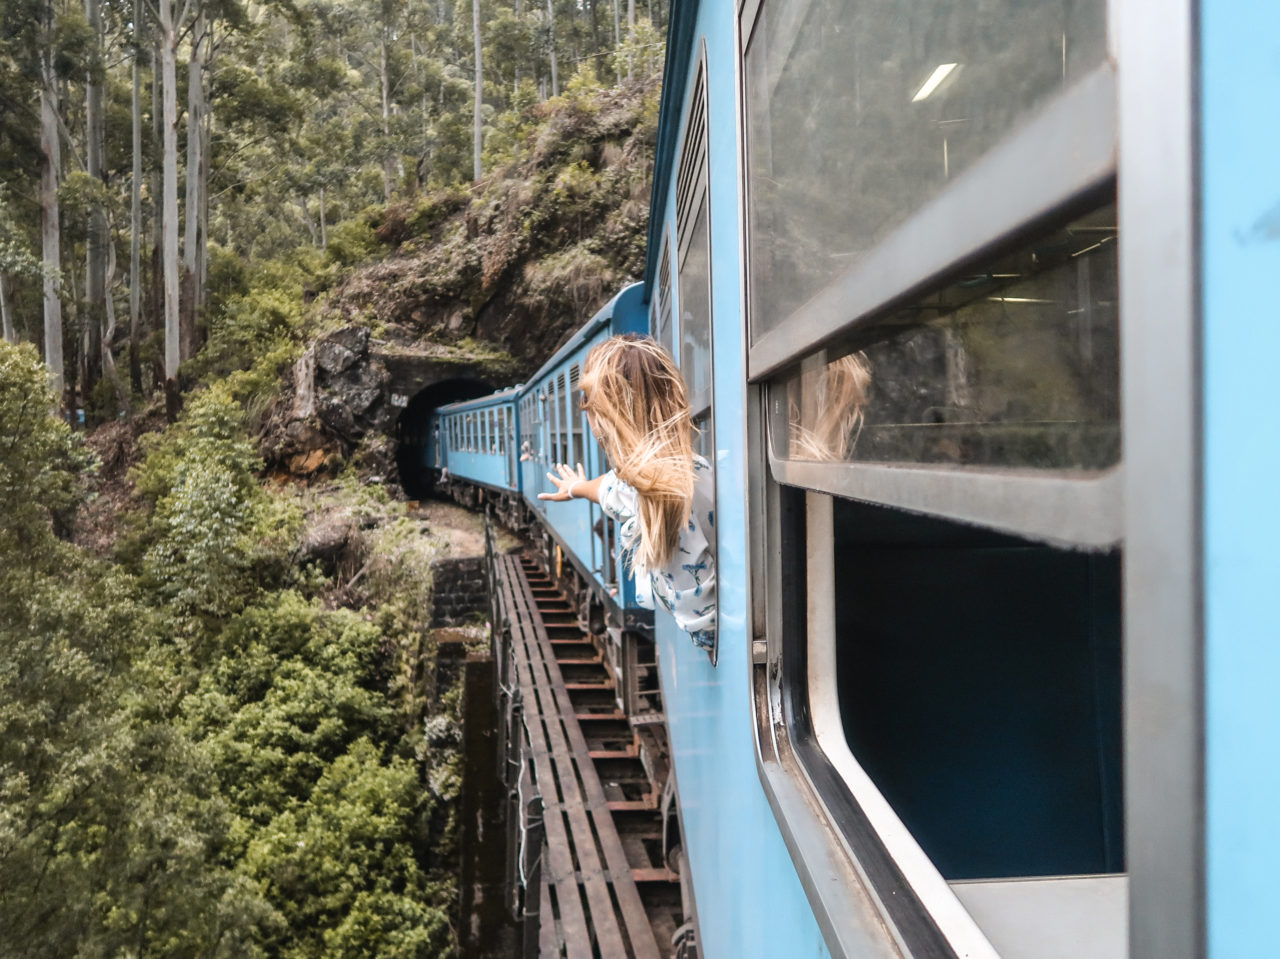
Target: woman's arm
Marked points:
572	484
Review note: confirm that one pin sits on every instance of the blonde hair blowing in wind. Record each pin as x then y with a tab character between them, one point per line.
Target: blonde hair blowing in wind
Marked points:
640	414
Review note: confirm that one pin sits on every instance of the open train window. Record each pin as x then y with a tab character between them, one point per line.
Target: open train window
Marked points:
693	240
954	679
660	323
578	453
934	330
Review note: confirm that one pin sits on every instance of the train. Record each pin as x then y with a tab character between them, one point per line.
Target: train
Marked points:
975	306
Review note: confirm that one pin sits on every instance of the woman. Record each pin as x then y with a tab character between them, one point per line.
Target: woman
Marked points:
660	493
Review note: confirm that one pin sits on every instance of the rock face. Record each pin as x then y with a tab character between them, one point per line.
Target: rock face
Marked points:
346	395
339	395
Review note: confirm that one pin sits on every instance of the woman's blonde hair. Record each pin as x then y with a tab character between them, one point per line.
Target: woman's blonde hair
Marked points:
640	414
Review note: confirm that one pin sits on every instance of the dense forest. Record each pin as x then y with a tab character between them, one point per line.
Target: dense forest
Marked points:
220	730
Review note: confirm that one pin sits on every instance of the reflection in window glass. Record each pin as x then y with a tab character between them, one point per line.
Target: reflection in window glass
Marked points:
859	112
1014	366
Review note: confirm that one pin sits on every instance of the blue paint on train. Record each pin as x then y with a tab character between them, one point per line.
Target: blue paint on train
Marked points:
1241	340
802	838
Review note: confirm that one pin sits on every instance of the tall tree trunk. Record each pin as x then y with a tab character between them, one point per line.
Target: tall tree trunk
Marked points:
617	37
169	200
388	161
631	29
478	119
51	236
551	22
6	318
98	237
135	211
108	335
193	239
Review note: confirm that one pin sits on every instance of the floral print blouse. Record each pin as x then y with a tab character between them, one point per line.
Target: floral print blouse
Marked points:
686	587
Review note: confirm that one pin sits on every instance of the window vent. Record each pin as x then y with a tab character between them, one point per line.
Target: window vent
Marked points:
692	178
662	328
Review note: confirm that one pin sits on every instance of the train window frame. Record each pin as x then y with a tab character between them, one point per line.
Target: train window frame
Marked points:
577	418
693	204
1116	507
1071	142
662	322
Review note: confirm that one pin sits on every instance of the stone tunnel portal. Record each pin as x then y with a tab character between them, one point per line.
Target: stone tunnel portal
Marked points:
416	477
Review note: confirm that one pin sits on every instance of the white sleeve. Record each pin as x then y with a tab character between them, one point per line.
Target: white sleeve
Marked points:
619	500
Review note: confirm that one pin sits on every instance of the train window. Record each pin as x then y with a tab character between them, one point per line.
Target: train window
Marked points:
923	91
575	417
542	442
965	687
661	323
562	421
693	239
553	424
1014	365
989	716
529	424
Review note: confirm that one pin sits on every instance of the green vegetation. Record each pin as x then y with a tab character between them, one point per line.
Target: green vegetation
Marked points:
219	731
201	752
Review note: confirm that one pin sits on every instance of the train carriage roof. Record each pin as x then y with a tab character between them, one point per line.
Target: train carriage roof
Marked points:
508	395
602	318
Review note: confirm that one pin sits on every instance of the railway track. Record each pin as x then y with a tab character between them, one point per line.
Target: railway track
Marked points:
598	885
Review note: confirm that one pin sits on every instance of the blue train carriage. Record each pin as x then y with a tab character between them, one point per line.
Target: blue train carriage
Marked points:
897	249
554	430
474	442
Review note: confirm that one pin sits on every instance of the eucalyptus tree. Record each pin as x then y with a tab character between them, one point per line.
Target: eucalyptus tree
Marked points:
478	119
170	18
135	198
50	178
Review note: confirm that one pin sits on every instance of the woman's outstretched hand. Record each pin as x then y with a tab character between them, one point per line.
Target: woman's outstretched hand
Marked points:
564	482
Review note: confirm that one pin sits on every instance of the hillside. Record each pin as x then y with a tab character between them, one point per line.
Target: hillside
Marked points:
223	729
530	252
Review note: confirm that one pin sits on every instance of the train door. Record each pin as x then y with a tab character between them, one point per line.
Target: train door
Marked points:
511	439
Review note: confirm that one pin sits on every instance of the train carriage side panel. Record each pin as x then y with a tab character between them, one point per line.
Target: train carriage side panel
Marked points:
1240	339
558	432
474	440
748	897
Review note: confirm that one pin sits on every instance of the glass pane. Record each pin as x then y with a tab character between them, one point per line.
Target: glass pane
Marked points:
1014	366
859	112
695	313
575	418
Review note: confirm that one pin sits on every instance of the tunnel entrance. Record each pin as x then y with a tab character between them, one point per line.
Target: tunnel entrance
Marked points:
412	436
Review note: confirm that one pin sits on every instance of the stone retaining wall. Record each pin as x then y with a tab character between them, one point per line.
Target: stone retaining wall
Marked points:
460	593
